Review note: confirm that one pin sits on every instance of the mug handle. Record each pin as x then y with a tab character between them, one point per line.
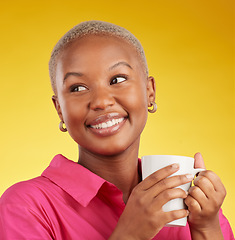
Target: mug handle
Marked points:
198	170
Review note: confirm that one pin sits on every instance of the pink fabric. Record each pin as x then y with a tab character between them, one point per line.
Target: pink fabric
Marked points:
70	202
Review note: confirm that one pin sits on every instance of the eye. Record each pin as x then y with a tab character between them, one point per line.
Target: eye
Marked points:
78	88
118	79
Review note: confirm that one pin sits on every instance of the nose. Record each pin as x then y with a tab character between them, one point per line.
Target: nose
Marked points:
101	99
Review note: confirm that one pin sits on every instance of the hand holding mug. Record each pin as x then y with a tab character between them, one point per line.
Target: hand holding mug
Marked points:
204	201
143	216
152	163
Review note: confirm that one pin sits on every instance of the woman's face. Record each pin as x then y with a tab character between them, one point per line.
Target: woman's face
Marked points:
103	94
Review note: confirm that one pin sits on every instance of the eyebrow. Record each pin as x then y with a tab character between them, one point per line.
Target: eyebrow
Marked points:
120	63
77	74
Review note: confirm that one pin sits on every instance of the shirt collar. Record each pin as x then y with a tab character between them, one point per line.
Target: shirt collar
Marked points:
76	180
79	182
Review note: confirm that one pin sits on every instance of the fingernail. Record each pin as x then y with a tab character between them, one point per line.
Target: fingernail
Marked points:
189	176
175	165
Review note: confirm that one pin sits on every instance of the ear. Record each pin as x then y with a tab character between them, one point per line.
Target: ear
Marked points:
57	106
151	90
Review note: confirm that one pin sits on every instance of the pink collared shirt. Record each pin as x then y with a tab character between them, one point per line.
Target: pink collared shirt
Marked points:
69	202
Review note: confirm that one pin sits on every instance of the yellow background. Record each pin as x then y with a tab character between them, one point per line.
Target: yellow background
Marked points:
190	50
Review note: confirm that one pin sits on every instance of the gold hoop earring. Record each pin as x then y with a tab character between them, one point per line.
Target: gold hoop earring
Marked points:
154	109
61	127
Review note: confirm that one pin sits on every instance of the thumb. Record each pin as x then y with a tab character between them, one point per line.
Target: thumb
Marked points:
199	162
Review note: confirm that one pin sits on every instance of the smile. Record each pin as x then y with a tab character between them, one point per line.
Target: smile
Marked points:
107	124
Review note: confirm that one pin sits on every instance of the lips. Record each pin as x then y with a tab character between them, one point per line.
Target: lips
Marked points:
107	124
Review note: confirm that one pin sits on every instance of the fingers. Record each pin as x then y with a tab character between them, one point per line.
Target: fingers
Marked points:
198	161
158	176
207	195
207	186
169	183
174	215
168	195
192	204
161	177
160	181
214	180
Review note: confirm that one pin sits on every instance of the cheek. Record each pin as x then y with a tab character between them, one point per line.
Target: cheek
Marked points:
137	97
72	113
136	104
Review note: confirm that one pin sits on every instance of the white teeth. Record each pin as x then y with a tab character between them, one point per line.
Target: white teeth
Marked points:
107	124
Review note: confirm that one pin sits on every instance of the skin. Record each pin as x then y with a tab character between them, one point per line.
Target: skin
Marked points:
204	201
98	79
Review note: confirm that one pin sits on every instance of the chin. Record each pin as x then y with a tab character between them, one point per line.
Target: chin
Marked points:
116	149
109	151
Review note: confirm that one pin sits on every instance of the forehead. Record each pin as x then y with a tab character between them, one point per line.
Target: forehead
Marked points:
100	49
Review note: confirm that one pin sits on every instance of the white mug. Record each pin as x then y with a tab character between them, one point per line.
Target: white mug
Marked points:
153	163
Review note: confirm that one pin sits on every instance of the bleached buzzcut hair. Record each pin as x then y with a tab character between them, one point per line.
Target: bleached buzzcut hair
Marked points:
93	27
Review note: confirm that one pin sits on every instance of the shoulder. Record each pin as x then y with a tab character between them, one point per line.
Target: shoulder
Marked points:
24	205
28	199
26	191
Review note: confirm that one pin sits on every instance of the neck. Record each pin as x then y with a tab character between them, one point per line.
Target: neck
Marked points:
120	169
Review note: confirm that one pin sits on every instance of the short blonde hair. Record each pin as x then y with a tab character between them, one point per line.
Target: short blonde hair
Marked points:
93	28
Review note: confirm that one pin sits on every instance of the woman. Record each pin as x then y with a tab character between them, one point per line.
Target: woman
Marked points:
102	93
